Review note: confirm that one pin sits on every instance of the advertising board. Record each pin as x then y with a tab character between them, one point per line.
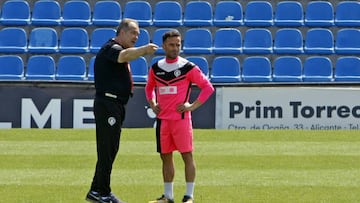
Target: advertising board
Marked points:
309	108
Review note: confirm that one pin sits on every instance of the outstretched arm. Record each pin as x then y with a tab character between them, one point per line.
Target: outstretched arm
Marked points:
132	53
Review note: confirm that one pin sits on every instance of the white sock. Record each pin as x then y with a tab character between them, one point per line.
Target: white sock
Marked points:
168	190
190	189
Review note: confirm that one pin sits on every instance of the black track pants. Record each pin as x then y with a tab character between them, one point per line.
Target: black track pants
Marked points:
109	116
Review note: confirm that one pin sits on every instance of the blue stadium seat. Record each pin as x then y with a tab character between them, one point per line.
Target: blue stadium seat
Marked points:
74	40
289	14
167	14
43	40
71	67
13	40
317	69
139	10
258	13
40	67
258	41
227	41
46	13
15	12
201	62
348	14
157	39
76	13
288	41
90	70
155	59
198	41
228	14
144	38
319	41
12	67
106	13
347	68
347	41
225	69
319	14
198	13
287	69
139	69
256	69
99	36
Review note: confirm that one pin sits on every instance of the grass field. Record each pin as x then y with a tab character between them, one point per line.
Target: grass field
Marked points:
44	165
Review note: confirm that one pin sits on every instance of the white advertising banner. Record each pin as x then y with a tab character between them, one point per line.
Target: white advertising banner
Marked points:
308	108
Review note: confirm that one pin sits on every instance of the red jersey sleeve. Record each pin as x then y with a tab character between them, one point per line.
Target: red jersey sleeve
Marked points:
198	78
150	86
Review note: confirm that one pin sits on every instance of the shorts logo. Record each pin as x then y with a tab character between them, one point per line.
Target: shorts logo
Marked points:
177	73
111	121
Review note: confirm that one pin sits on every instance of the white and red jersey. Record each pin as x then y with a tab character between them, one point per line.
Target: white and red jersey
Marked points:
170	81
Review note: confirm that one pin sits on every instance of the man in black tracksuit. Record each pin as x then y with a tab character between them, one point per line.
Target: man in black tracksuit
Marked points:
113	85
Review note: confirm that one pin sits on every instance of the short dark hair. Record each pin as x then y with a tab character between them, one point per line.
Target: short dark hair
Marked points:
171	33
124	25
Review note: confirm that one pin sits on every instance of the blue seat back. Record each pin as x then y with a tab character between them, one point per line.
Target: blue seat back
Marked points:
225	69
256	69
74	40
139	69
287	69
198	13
227	41
13	40
40	67
167	14
76	13
258	41
140	11
106	13
144	38
228	13
319	14
347	41
347	68
198	41
46	13
319	41
288	41
317	69
11	68
289	14
43	40
258	13
71	67
15	12
99	37
347	14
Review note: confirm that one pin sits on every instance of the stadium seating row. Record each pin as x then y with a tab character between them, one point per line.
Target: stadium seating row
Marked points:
196	41
171	13
225	69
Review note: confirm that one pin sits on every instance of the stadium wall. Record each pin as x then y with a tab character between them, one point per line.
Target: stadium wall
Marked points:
288	107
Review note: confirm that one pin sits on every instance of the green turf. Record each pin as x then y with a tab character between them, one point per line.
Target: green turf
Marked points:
44	165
